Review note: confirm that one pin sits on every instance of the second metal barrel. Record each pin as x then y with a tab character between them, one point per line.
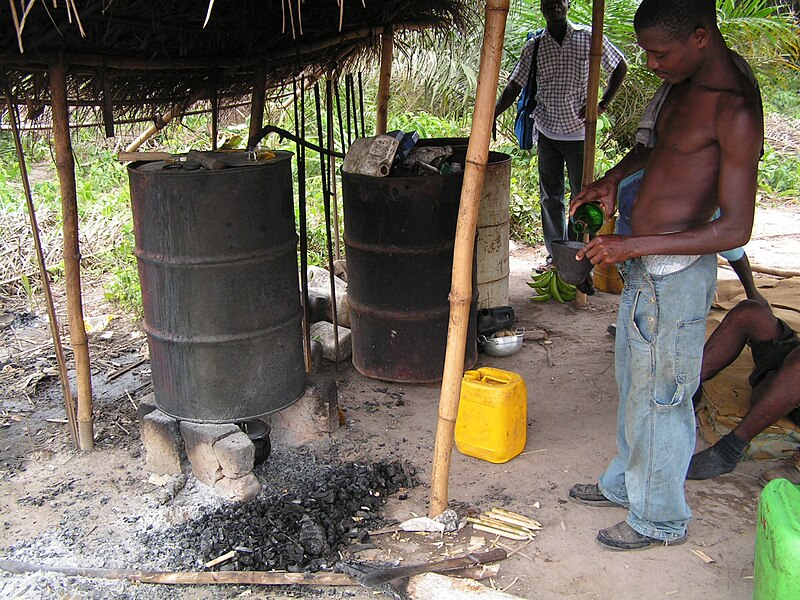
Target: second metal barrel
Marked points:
399	235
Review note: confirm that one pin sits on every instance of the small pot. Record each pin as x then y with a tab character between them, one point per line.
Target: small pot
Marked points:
258	432
505	345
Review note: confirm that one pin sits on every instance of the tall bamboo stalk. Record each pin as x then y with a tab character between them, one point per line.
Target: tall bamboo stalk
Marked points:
384	83
461	288
592	94
69	401
65	165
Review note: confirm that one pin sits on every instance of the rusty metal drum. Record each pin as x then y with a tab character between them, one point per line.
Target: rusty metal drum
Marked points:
217	260
493	223
399	237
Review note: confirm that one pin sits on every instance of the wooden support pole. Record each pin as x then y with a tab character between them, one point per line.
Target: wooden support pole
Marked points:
69	400
65	165
257	103
592	94
461	288
384	83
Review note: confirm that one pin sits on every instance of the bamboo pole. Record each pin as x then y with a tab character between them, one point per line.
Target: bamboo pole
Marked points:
384	83
69	400
461	288
65	165
592	94
257	104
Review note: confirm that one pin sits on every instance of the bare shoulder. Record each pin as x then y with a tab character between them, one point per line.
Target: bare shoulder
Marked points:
738	109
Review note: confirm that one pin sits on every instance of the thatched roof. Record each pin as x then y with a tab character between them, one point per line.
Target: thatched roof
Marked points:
142	54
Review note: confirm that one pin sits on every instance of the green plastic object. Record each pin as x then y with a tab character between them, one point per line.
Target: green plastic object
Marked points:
777	559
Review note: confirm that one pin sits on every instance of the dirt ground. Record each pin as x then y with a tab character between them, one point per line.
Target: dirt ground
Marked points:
61	507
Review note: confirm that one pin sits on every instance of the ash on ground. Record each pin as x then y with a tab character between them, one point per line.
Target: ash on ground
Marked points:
308	512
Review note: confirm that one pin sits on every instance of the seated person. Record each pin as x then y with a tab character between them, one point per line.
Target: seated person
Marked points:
775	380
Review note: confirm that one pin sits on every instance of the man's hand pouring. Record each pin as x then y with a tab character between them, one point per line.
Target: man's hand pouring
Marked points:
603	249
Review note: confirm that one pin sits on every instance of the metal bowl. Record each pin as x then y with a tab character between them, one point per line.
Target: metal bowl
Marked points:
504	345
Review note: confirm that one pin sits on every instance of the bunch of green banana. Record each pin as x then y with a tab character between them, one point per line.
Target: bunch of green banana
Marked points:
549	286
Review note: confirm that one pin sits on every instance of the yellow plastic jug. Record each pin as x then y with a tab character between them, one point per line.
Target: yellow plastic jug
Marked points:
608	279
492	415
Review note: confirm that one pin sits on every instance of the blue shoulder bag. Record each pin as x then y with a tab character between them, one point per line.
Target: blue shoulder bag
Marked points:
523	125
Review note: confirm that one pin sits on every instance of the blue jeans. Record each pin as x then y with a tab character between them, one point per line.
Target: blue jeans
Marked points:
659	350
553	155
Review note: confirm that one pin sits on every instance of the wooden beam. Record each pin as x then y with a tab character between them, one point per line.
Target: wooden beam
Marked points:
461	287
65	166
15	61
257	102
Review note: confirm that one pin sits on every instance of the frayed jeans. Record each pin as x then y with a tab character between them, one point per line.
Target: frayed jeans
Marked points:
553	155
659	351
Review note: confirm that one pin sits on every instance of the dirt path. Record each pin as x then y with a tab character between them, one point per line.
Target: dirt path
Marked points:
60	507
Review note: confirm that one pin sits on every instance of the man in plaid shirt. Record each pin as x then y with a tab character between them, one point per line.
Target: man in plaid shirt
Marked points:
562	74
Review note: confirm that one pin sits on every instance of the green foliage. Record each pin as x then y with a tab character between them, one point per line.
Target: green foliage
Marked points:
779	174
428	125
122	286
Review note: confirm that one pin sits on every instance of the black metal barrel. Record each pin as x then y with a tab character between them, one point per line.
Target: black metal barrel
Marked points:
217	259
399	235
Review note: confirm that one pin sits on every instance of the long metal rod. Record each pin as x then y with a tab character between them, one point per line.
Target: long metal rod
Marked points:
65	165
332	169
326	202
69	400
339	113
461	289
300	131
361	103
347	107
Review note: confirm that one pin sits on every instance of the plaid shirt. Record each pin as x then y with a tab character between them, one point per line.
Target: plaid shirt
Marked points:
561	79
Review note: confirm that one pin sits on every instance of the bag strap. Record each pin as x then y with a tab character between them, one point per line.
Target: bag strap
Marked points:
537	37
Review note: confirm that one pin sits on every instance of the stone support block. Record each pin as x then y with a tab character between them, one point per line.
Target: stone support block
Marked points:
323	331
239	489
314	415
145	406
199	439
236	455
162	443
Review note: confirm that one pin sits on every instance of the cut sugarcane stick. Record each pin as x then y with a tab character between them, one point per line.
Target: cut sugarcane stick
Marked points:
502	525
517	516
514	519
500	532
498	525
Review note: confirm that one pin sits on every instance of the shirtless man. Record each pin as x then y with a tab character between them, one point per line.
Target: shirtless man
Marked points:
709	134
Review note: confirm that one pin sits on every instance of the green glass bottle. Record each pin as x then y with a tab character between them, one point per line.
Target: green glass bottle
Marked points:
588	218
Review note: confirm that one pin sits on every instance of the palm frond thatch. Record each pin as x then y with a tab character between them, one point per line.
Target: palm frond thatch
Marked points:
146	54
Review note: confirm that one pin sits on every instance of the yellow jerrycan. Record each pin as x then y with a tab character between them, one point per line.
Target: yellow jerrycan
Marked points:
492	415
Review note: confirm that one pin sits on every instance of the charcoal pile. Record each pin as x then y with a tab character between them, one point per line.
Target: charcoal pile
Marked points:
300	529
